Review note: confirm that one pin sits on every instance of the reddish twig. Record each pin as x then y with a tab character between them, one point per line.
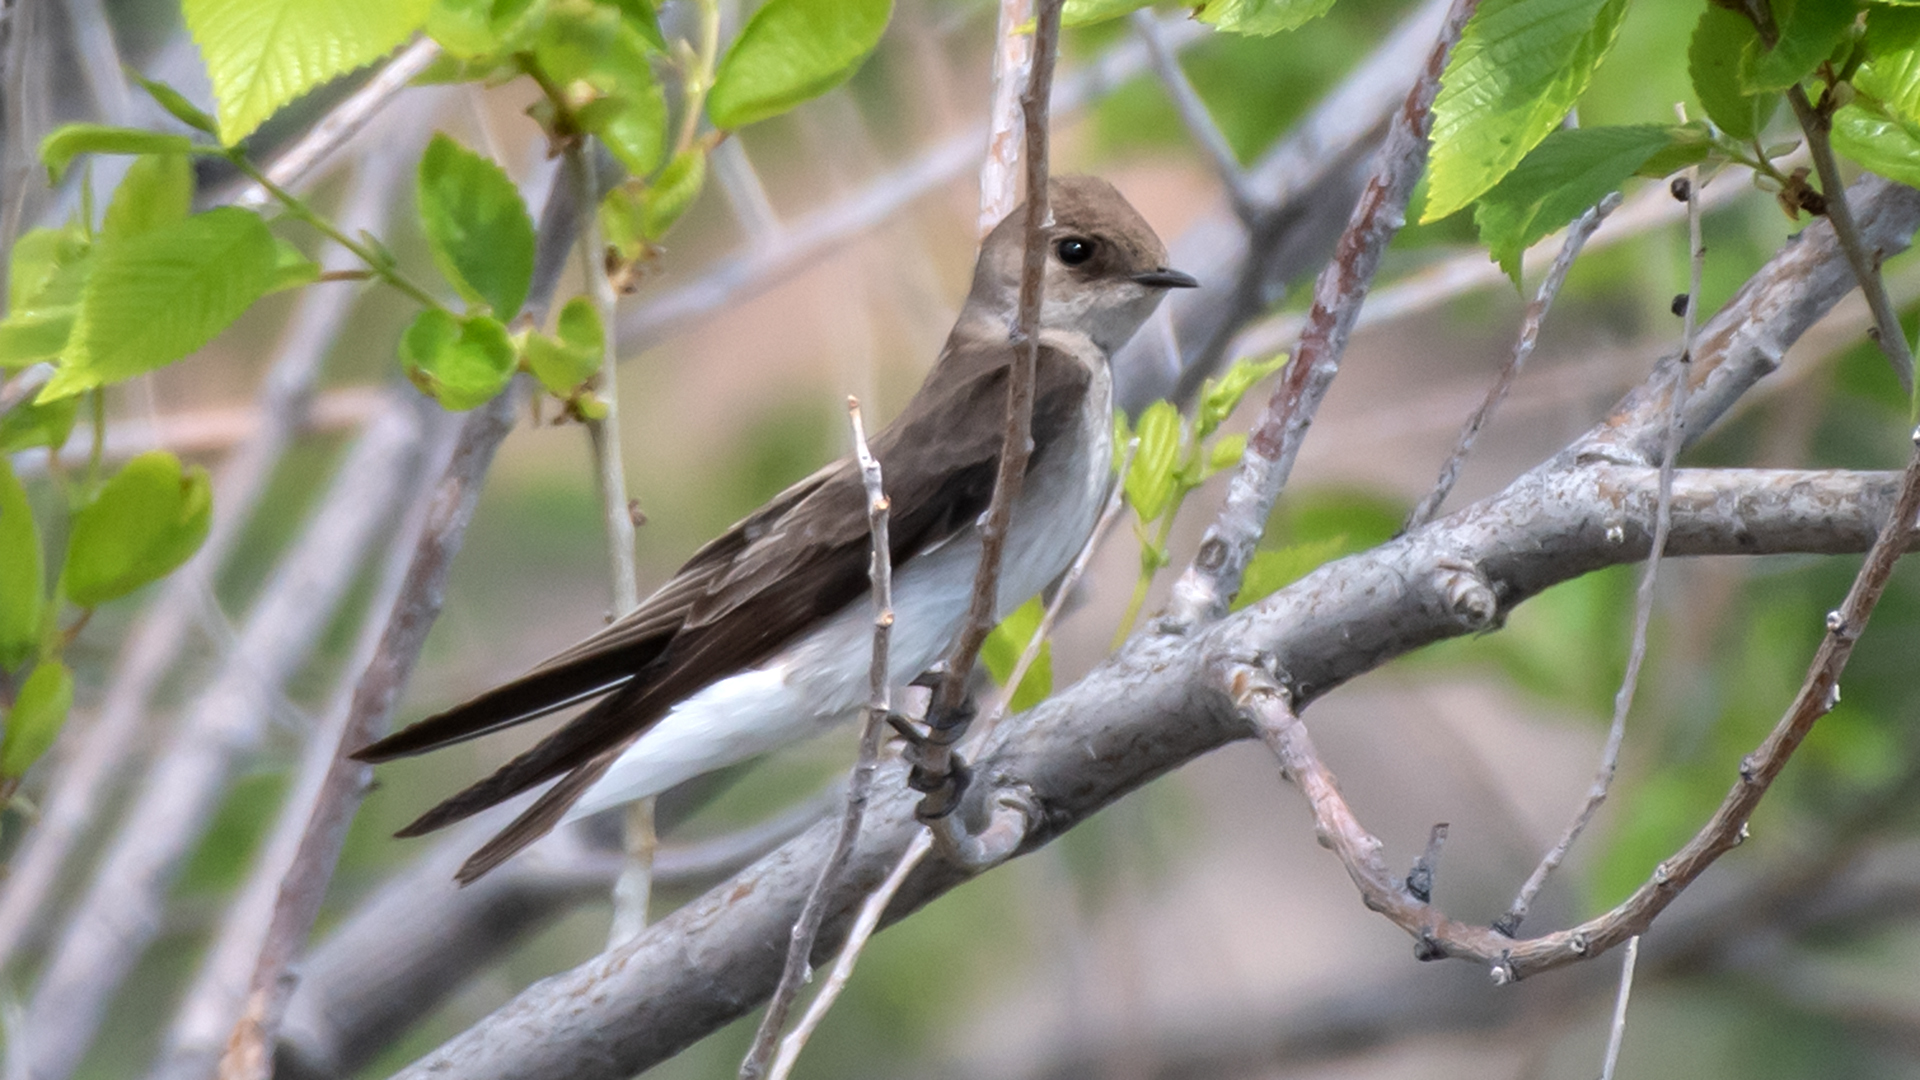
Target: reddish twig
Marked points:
1208	585
946	721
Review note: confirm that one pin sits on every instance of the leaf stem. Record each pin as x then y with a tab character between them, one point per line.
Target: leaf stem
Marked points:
381	267
699	80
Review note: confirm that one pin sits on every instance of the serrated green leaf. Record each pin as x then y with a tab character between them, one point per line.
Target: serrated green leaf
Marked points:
1219	397
157	190
574	354
34	424
643	17
1274	569
477	226
148	518
790	51
178	106
1809	32
291	267
1519	67
1892	73
22	572
1150	479
38	714
1720	39
69	141
1088	12
1260	17
671	193
1878	142
1005	645
461	363
35	335
156	297
262	54
1569	171
38	256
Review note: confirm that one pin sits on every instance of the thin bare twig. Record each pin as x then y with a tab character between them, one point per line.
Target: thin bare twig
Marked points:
25	383
946	722
863	928
1680	380
1577	236
1617	1030
799	965
1109	514
1892	338
632	893
1208	585
1197	120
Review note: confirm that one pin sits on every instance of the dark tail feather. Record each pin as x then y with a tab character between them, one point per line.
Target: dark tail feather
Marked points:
517	702
572	746
539	819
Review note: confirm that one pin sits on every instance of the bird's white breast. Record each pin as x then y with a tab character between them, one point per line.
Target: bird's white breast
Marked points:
822	679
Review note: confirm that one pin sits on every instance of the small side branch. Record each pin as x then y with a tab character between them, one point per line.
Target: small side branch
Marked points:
1197	120
799	965
1208	585
1577	236
1687	189
1818	125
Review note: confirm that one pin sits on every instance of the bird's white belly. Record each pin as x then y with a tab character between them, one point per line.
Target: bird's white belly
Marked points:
822	679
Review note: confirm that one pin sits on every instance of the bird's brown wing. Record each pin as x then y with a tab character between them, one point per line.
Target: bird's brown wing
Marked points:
747	594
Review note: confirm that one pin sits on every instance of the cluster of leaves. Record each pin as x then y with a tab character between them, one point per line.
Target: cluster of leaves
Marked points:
1499	145
152	281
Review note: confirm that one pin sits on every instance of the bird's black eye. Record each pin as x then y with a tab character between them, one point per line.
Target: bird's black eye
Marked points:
1074	250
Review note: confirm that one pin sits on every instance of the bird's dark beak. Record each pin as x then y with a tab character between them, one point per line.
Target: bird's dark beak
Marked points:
1163	278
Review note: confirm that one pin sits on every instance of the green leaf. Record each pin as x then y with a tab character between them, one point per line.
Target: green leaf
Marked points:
36	335
790	51
1892	74
1519	67
1880	143
22	573
1088	12
574	355
156	297
632	124
1720	39
157	190
1261	17
262	54
642	16
1809	32
1005	645
65	143
477	226
671	193
34	424
39	256
1219	397
37	717
461	363
177	104
150	517
1226	452
1150	479
291	267
1569	171
1274	569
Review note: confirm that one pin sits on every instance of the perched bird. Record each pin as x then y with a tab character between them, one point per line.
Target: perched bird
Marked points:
764	636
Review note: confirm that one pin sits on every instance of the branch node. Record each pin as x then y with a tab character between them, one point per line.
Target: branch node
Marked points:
1469	596
1503	972
1420	878
1427	948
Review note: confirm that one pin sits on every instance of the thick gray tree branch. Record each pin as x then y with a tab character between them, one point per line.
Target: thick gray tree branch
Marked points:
1156	703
